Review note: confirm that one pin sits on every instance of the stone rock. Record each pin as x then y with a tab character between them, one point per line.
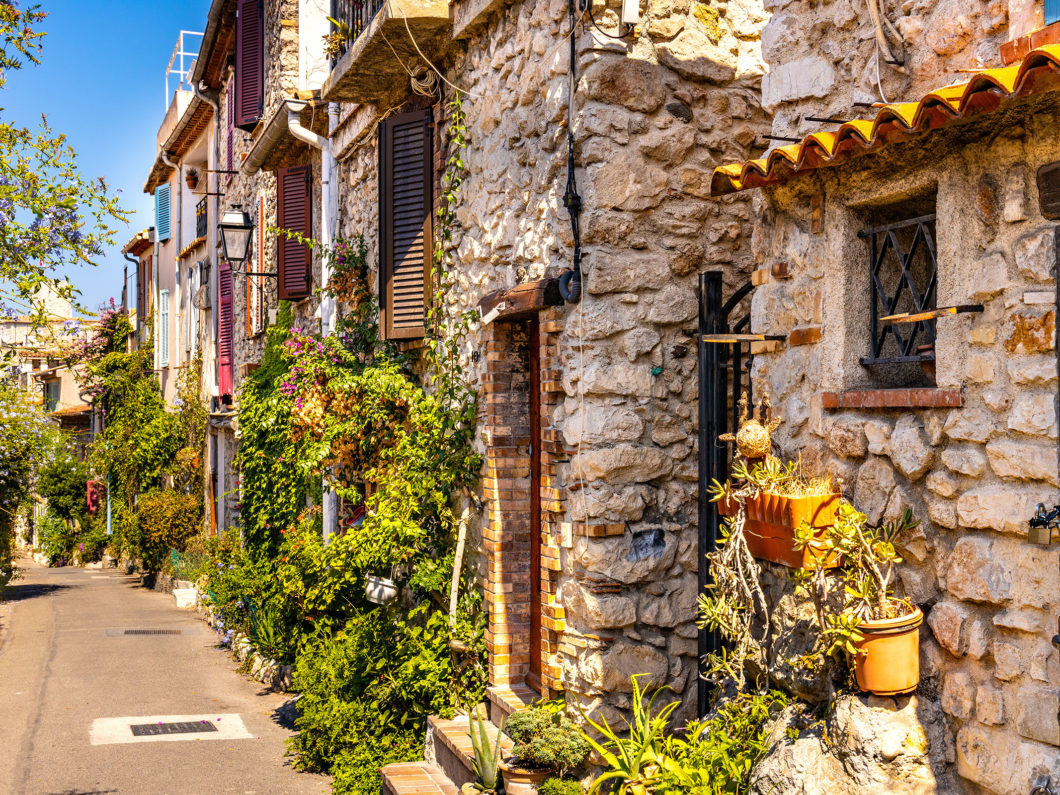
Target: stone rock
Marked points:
636	342
1000	761
990	705
1014	205
1038	713
630	559
970	425
941	483
604	502
980	369
667	430
630	82
1014	460
676	606
942	512
1008	661
186	598
1031	333
624	463
875	745
947	621
996	507
910	452
1035	255
846	438
615	184
623	660
878	436
806	77
958	694
694	56
1022	620
597	611
668	145
989	277
976	574
602	424
673	304
616	378
1032	370
629	271
873	487
1034	414
965	460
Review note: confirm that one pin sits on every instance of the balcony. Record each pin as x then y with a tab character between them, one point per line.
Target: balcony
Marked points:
374	42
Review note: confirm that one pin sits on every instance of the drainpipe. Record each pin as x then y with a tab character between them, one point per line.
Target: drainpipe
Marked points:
328	215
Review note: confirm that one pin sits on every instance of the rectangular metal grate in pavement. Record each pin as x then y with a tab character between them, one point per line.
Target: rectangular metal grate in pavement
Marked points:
181	727
117	632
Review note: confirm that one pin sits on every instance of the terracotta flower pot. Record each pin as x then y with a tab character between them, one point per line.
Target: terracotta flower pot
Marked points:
771	523
888	661
521	780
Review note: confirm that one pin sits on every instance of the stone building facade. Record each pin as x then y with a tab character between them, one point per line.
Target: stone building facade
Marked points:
965	432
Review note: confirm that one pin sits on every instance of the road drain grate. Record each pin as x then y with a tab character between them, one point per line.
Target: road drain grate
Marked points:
152	632
180	727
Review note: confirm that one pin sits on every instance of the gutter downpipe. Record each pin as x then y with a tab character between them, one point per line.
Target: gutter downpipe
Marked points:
328	216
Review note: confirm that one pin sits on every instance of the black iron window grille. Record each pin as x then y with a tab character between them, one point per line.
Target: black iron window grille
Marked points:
349	19
200	218
904	278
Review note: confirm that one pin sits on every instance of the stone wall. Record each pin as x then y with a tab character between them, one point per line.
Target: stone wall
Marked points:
822	54
972	474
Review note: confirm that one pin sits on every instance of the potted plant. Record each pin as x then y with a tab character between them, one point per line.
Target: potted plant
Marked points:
874	627
191	178
486	759
546	742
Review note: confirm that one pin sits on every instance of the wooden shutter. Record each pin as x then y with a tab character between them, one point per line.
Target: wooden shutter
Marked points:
1052	11
163	328
250	49
162	212
230	112
143	295
295	196
224	328
405	220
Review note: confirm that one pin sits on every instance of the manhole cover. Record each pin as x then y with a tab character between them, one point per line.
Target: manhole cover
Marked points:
119	632
180	727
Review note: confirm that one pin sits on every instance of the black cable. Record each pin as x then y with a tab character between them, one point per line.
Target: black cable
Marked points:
629	32
570	283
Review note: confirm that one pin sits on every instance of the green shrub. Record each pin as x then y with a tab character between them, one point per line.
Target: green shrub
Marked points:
57	540
63	482
165	520
356	769
560	786
546	738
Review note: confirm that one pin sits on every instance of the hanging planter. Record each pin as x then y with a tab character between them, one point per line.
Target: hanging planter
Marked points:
888	659
191	178
379	590
769	528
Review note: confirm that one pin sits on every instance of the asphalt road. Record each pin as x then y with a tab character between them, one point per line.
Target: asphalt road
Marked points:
66	665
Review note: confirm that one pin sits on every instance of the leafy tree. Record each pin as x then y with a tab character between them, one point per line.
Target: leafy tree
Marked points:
51	216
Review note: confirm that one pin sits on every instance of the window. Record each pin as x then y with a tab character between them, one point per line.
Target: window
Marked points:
51	395
163	328
294	260
406	248
903	274
187	293
1052	11
224	328
250	50
143	296
162	212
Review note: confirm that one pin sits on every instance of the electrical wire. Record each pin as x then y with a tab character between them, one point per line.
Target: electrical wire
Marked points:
879	83
631	29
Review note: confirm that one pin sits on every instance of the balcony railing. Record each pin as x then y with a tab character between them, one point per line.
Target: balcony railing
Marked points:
352	16
200	219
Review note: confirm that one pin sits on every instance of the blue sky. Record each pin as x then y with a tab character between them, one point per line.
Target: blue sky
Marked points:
102	82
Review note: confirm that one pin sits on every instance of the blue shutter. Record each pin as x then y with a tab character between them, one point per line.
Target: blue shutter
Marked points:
162	212
1052	11
163	322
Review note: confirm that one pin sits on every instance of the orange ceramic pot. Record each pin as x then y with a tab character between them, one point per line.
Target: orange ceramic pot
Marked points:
771	523
523	781
888	660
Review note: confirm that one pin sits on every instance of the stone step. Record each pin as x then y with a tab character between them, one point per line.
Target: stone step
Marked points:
506	699
416	778
449	748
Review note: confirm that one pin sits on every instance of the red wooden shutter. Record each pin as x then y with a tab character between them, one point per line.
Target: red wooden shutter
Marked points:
231	114
295	195
224	328
405	218
250	67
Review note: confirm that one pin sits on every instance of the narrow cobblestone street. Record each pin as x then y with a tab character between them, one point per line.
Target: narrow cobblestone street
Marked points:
67	663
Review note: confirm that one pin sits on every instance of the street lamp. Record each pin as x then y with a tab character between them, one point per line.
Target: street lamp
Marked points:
235	229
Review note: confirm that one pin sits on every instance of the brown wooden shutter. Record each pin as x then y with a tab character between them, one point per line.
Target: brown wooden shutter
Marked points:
295	195
405	219
250	63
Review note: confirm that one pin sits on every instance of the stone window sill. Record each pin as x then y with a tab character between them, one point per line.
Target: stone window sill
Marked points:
893	399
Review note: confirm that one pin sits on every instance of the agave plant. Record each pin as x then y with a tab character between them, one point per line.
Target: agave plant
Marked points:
487	757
